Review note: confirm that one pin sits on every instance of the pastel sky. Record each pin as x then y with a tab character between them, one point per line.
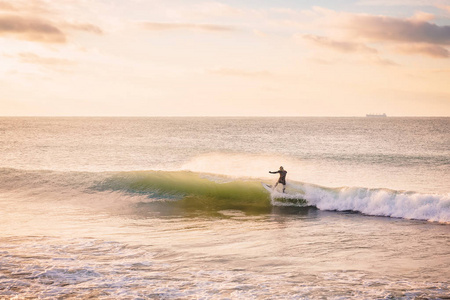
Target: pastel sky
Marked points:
224	58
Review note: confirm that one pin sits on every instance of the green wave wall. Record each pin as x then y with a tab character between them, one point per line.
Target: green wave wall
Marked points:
191	190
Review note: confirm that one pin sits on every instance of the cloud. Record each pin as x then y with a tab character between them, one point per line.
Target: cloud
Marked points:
414	35
375	59
36	7
87	27
40	30
31	58
260	33
340	46
156	26
429	50
32	29
42	21
421	16
445	8
6	6
382	28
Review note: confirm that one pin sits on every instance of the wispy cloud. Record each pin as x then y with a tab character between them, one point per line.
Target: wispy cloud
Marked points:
156	26
352	33
86	27
377	60
7	6
41	21
429	50
24	6
382	28
445	8
32	29
341	46
416	29
32	58
41	30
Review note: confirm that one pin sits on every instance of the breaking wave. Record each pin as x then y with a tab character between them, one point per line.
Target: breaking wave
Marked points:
216	192
381	202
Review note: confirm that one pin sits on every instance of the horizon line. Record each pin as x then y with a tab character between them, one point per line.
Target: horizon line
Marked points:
213	116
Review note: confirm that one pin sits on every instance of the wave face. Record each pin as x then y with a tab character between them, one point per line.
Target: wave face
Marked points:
191	190
209	192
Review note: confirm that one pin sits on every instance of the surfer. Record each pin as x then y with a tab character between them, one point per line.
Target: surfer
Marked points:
282	178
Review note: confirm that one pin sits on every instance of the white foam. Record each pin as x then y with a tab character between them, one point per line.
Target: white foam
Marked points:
381	202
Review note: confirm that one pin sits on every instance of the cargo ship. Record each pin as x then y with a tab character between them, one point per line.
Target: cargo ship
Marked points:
376	116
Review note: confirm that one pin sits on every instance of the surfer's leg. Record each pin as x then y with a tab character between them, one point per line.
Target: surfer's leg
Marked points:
284	187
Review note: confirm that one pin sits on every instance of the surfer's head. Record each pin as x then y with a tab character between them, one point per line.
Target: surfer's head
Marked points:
281	168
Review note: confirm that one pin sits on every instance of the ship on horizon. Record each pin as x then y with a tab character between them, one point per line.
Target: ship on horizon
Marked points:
376	115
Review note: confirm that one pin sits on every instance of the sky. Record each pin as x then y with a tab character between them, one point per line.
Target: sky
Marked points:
224	58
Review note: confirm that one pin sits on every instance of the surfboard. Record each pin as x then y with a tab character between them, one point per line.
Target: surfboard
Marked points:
285	198
268	187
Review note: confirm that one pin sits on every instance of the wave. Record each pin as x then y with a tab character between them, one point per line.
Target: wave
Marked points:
213	191
210	192
381	202
191	190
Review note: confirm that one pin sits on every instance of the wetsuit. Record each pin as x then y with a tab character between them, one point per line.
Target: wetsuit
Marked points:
282	178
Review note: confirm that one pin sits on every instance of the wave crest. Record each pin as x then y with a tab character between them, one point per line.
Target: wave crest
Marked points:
381	202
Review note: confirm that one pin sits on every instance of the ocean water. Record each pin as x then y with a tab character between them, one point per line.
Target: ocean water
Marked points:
173	208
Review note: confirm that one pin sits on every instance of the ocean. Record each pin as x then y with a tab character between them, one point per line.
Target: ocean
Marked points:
174	208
